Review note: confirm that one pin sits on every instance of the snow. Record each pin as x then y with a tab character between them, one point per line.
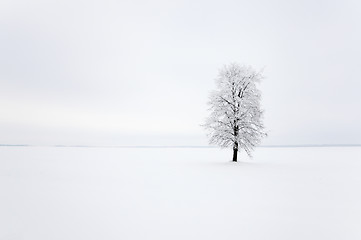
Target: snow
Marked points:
179	193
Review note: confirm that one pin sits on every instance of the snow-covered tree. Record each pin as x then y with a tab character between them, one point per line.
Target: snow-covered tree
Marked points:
236	117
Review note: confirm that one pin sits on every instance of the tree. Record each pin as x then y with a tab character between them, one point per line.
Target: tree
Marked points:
236	118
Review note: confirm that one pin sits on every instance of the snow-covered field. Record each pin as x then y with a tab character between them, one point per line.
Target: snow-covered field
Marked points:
51	193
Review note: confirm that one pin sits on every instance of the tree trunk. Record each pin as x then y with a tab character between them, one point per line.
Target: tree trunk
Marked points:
235	151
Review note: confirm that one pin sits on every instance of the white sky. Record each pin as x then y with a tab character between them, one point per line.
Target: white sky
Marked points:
140	72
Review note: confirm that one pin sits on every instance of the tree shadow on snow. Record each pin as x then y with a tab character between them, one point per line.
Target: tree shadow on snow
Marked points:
234	164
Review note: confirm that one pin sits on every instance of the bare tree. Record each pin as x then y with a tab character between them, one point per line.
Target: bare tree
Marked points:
236	118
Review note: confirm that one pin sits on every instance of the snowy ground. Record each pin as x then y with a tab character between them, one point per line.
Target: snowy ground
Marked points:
107	193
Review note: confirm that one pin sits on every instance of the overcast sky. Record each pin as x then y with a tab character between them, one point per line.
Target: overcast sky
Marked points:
139	72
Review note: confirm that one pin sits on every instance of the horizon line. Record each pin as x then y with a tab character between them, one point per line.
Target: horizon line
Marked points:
179	146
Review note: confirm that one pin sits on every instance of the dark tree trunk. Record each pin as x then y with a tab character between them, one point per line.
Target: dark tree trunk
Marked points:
235	144
235	151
